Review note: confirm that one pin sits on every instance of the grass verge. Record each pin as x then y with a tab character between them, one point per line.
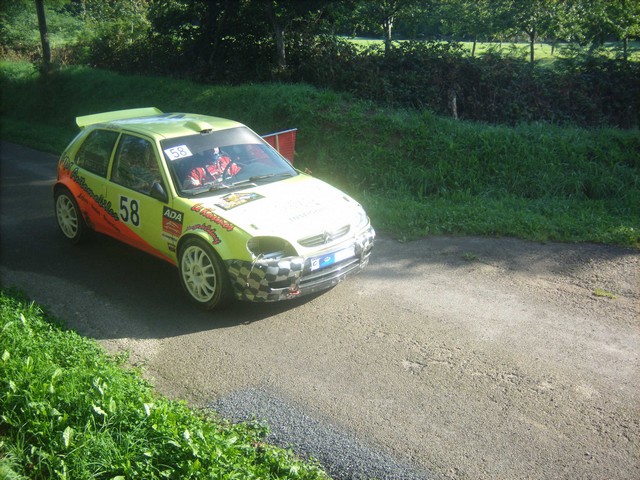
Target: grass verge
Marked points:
417	174
67	410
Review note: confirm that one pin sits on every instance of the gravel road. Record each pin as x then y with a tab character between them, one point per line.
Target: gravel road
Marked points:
464	358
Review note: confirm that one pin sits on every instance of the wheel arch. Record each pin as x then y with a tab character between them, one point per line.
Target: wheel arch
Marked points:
227	245
60	186
197	235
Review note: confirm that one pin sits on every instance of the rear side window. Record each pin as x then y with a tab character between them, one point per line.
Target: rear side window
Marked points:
95	151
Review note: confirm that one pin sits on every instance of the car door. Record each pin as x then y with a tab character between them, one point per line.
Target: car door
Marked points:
89	179
135	174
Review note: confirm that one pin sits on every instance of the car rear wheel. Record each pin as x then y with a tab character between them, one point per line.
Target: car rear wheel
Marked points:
69	217
202	274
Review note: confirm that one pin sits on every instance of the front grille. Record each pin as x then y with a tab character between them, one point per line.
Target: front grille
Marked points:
324	237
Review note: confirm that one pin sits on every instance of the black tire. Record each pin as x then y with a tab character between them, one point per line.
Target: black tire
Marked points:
203	275
69	217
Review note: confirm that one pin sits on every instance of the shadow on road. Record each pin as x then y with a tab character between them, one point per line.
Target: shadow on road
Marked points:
101	288
106	289
110	284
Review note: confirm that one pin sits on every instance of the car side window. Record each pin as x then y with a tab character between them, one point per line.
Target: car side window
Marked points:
95	152
136	165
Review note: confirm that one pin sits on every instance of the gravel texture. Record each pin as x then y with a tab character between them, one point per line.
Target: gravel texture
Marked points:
340	453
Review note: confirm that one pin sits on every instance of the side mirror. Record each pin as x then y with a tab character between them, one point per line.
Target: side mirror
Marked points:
158	192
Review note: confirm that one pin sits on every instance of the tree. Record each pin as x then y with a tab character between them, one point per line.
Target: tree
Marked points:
619	18
382	14
285	14
469	18
278	17
215	28
568	22
533	17
44	36
195	28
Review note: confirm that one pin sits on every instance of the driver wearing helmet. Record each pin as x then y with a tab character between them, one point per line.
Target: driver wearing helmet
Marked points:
208	172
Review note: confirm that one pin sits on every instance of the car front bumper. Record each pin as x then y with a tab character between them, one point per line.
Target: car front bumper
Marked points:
292	277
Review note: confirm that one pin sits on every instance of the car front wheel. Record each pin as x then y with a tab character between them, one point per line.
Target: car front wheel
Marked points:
69	217
203	275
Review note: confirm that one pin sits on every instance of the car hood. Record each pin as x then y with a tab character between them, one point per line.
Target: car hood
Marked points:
293	209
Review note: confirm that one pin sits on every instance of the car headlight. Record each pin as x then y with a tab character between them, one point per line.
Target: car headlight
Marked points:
270	248
362	220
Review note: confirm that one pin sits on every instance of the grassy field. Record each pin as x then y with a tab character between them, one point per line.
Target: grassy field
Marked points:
417	174
69	411
543	52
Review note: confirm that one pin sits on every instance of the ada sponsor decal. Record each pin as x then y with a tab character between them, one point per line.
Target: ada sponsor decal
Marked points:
209	215
172	222
206	228
234	200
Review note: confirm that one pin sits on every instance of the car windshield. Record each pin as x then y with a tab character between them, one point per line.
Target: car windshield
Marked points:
216	161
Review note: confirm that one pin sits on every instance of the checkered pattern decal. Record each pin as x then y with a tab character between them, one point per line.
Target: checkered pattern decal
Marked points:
273	280
254	281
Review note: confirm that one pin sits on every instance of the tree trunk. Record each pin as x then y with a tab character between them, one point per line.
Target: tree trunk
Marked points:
219	19
44	36
278	32
532	44
475	43
453	102
388	27
280	48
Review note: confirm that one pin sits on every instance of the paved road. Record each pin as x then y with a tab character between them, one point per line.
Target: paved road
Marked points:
447	358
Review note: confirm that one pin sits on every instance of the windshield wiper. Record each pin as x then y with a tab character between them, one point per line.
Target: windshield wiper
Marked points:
248	182
251	181
207	189
223	186
270	175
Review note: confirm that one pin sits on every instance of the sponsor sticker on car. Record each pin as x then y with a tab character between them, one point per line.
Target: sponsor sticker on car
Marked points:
181	151
329	259
172	222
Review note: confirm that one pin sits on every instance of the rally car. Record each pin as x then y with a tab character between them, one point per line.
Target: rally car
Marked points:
213	198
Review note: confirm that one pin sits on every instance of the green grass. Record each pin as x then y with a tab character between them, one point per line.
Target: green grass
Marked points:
69	411
543	52
417	174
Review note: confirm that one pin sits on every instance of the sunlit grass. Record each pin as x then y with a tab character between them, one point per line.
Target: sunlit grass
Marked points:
543	52
417	174
67	410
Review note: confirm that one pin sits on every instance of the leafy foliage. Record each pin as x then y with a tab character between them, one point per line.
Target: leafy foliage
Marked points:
69	411
19	32
225	42
587	90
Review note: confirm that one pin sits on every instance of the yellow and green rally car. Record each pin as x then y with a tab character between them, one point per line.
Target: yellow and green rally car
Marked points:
213	198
